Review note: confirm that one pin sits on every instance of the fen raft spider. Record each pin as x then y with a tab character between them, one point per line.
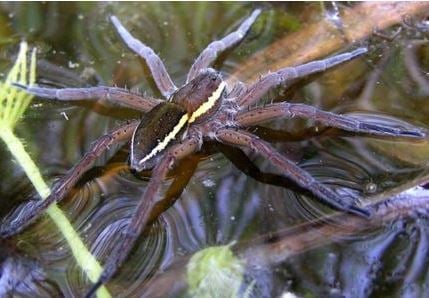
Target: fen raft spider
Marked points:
203	109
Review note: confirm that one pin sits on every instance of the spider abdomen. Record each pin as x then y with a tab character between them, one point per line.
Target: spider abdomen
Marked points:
158	129
165	123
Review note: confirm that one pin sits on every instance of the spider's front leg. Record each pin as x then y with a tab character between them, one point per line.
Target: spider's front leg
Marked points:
157	68
115	95
63	186
289	110
141	215
289	169
284	75
212	51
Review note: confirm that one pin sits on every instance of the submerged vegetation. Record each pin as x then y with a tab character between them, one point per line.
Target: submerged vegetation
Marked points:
13	103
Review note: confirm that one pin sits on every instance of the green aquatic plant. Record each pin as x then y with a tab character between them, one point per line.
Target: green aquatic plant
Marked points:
13	103
216	272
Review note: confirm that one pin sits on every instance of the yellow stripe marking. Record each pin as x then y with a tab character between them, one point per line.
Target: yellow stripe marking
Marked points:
184	120
209	103
162	144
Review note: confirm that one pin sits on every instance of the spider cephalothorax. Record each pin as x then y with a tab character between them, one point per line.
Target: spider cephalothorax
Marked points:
202	92
200	110
165	124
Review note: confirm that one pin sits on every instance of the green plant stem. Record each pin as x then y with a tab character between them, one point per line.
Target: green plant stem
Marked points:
83	257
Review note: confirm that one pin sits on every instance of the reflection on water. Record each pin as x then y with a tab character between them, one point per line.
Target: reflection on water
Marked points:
220	203
23	276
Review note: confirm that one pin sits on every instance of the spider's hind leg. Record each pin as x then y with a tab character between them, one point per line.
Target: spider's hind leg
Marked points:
242	162
212	51
63	186
289	169
142	214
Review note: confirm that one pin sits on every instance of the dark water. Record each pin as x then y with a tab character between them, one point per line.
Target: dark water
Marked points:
78	47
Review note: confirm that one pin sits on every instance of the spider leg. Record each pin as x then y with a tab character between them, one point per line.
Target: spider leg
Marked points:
142	214
290	110
184	172
272	135
115	95
63	186
211	52
242	162
289	169
157	68
282	76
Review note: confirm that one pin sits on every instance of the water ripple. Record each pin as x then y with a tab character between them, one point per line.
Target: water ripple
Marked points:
103	228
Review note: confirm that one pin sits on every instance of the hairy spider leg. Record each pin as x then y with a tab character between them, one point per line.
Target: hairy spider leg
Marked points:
289	169
157	68
212	51
243	163
290	110
284	75
141	215
63	186
114	95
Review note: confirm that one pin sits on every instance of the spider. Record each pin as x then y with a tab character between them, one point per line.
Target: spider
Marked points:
205	108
